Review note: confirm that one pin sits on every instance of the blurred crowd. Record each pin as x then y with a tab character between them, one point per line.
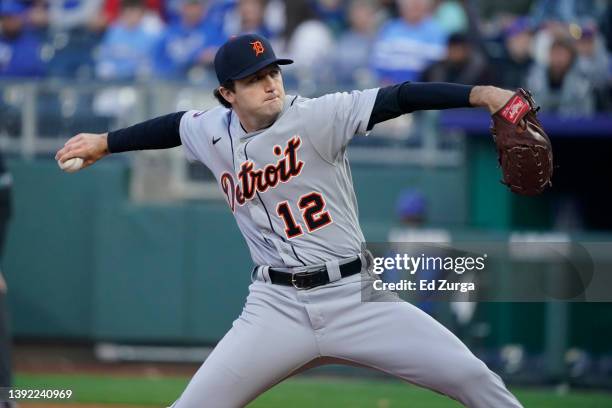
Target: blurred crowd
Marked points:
558	48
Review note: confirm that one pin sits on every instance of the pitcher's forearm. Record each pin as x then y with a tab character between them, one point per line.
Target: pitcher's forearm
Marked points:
489	97
159	133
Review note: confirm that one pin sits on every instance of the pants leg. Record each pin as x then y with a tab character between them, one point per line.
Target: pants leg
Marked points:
271	338
400	339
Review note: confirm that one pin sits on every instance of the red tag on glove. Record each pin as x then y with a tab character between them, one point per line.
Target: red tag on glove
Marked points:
515	109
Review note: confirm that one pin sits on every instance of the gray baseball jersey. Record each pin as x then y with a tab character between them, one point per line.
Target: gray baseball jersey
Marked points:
289	186
290	189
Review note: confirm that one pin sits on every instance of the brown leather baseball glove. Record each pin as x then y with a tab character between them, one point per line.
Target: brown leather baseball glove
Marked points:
524	149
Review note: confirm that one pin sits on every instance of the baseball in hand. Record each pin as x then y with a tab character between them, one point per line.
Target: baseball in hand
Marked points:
71	165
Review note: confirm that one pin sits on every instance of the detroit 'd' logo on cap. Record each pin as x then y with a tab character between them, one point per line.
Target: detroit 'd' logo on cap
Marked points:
258	48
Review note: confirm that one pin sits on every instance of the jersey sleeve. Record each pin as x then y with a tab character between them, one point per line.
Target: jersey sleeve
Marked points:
191	133
334	119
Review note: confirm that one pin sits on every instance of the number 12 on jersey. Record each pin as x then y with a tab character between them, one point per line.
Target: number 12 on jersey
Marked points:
314	214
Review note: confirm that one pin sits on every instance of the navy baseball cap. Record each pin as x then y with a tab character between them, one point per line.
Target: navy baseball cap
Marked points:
244	55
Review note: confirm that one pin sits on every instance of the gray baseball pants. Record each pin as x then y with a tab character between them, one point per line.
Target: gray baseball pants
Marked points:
282	331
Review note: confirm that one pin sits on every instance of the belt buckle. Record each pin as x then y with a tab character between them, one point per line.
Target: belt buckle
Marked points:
306	275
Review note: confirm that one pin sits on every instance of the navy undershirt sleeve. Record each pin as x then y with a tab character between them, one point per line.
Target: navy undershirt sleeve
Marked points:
159	133
391	102
395	100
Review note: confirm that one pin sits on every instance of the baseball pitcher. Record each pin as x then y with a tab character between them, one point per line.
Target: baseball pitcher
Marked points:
281	162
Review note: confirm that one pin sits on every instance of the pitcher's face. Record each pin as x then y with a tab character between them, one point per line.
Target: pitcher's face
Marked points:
261	94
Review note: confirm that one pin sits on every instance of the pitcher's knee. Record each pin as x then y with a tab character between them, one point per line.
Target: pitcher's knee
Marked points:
464	377
479	374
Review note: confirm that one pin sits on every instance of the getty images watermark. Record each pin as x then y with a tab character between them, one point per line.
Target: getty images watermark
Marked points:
516	270
436	267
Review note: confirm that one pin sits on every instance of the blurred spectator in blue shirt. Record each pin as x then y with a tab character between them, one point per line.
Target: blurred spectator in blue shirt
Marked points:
20	49
190	42
332	13
405	47
75	28
125	51
351	58
515	58
217	10
248	18
463	64
559	86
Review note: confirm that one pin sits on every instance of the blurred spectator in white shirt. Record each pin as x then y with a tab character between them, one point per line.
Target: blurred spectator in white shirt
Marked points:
309	41
560	86
547	32
594	62
592	54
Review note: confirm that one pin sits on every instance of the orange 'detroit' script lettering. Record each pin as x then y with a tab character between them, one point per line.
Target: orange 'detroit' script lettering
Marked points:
251	180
